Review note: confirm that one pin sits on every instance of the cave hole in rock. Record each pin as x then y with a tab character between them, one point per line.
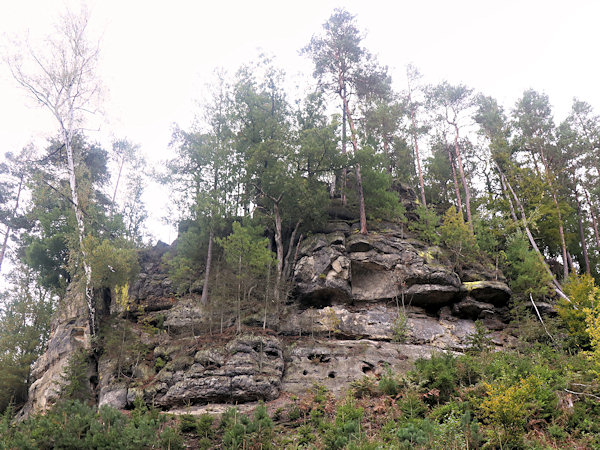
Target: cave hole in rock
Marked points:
272	353
367	367
320	358
331	374
321	298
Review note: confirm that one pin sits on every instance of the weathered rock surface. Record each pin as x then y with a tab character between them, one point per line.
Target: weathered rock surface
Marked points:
338	268
69	333
248	368
153	287
336	363
360	303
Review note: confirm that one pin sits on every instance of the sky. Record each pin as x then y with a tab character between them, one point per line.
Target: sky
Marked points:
157	57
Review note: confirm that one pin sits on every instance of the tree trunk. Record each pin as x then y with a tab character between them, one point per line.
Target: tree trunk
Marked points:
278	249
112	206
556	285
454	178
287	269
89	290
359	187
8	227
594	222
204	298
344	171
462	177
586	258
561	230
417	156
507	197
386	150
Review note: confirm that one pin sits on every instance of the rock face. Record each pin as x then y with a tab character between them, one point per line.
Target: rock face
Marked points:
343	268
359	304
69	334
247	368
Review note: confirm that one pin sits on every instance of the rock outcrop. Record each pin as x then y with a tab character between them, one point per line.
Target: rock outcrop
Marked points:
69	333
339	268
359	304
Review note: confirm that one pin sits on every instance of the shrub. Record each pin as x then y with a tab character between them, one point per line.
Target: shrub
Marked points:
583	293
389	384
187	423
526	272
346	426
72	424
364	387
412	406
242	432
438	373
479	341
426	225
459	239
400	328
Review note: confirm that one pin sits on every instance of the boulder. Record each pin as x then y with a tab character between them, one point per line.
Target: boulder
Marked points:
248	368
495	292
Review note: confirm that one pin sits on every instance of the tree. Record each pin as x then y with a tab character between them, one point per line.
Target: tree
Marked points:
535	128
453	102
11	187
24	330
412	76
248	256
62	78
346	69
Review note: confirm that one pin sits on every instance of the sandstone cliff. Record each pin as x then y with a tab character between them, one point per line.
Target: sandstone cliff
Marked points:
358	304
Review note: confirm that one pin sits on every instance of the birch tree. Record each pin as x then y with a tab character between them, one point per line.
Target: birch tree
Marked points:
60	76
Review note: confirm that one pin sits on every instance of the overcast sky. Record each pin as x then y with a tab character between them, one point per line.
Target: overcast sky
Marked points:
156	57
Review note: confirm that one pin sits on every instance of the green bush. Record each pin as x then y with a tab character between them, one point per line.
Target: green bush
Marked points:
346	426
239	431
426	225
389	383
72	424
437	374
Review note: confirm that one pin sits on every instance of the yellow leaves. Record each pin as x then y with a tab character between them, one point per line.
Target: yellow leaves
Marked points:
510	405
122	299
592	320
585	297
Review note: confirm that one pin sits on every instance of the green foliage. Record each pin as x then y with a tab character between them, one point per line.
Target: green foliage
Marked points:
381	202
400	328
426	225
479	341
187	423
71	424
186	264
583	294
246	252
25	312
122	346
389	383
240	431
75	383
526	272
412	406
592	321
437	374
204	426
346	427
364	387
112	265
455	234
331	321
